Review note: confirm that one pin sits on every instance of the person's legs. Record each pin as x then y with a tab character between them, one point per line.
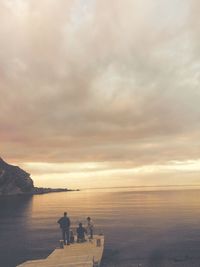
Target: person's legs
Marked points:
91	233
64	236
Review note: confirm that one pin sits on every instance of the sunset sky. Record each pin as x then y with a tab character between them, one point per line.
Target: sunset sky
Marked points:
101	92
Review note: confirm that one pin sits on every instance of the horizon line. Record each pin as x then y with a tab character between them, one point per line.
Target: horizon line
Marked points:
141	186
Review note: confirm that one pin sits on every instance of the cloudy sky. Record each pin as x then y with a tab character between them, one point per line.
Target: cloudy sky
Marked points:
101	92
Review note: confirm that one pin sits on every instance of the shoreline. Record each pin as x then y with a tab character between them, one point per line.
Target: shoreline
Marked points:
40	191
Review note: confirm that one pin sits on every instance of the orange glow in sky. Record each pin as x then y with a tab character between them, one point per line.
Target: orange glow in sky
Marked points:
101	93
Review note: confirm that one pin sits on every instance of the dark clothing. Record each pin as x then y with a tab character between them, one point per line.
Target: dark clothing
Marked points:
64	222
65	235
64	225
81	234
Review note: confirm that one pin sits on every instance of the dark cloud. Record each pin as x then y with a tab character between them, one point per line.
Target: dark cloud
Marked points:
86	81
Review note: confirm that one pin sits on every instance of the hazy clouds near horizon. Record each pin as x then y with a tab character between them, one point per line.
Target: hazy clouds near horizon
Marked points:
98	80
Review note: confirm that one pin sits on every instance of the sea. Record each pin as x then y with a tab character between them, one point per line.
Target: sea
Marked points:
146	227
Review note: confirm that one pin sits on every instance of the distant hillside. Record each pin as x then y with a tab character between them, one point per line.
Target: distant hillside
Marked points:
14	181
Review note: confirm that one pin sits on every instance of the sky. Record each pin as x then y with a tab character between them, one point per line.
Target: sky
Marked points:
98	93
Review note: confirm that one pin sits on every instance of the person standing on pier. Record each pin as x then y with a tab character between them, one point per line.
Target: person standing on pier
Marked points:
90	227
65	226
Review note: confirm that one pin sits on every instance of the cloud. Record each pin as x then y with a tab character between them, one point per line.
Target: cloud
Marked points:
99	81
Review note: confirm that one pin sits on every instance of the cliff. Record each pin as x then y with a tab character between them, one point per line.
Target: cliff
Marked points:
14	181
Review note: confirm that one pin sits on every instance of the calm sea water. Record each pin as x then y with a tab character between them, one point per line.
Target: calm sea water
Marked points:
148	227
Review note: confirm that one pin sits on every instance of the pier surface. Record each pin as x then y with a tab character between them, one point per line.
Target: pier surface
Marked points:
87	254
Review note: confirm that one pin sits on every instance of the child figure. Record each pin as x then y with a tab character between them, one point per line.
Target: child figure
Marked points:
81	231
90	227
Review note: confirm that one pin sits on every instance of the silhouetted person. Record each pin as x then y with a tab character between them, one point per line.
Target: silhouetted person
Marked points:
90	227
81	233
65	225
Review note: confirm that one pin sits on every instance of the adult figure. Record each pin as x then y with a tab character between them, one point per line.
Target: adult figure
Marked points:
65	226
81	231
90	227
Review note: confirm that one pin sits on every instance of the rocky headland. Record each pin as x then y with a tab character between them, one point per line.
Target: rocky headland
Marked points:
15	181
